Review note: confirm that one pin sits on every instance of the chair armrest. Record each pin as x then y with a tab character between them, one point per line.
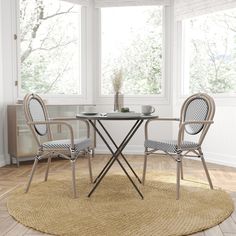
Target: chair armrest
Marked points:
157	119
194	122
181	128
73	118
62	118
166	119
56	122
197	122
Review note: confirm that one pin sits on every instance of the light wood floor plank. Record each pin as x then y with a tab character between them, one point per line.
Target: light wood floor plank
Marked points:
234	216
3	205
6	225
3	215
198	234
215	231
31	232
228	226
18	230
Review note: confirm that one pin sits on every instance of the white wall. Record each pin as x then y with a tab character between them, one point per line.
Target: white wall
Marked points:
220	143
8	72
2	160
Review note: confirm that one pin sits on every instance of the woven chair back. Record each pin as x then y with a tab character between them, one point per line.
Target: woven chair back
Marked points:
36	111
198	107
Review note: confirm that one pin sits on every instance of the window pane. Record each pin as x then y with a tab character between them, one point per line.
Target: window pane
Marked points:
210	53
50	47
132	41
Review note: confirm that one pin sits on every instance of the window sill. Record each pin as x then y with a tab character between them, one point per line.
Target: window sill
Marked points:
64	100
152	99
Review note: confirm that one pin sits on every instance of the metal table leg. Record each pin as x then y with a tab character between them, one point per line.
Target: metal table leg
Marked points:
120	152
109	145
116	154
104	140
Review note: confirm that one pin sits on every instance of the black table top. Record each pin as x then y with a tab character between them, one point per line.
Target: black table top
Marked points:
103	116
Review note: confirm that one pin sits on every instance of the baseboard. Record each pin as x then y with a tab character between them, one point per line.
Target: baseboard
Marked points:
216	158
220	159
2	161
131	149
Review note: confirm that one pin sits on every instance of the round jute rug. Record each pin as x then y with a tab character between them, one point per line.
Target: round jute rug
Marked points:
116	209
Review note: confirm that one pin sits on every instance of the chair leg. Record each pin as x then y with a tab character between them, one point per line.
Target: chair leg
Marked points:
73	178
206	171
181	169
144	168
32	174
11	161
178	162
93	152
47	170
90	167
17	162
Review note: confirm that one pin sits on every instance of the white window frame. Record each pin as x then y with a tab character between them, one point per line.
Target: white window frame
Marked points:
222	99
85	96
162	98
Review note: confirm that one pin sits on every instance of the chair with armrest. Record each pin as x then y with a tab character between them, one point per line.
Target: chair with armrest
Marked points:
38	120
196	116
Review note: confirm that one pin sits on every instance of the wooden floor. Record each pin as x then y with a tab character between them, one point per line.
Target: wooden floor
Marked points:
12	177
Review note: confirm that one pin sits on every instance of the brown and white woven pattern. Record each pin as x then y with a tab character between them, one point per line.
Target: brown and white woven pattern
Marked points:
168	145
115	209
37	114
80	144
197	110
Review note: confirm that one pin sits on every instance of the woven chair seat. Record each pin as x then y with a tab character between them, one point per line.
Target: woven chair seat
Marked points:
169	145
80	144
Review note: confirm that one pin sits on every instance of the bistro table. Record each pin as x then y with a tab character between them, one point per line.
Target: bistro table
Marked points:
99	118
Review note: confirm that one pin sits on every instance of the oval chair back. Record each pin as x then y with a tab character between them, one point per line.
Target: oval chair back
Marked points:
198	107
35	111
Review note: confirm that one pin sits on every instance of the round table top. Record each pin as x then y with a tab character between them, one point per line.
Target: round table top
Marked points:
104	116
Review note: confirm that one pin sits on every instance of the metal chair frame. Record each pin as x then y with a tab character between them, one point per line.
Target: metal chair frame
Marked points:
59	152
184	152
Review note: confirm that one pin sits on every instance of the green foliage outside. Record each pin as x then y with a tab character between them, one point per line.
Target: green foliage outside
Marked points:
49	49
50	52
212	53
140	60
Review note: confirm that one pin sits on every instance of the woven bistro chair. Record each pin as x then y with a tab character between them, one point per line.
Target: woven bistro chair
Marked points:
196	117
38	120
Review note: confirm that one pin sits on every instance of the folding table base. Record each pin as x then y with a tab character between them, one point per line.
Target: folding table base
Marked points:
115	154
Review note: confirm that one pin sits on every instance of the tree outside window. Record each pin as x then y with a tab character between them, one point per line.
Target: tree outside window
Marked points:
50	47
210	53
132	41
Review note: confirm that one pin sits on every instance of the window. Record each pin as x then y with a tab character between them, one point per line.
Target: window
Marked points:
50	47
210	53
132	41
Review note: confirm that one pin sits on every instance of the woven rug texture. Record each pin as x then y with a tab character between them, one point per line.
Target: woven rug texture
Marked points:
116	209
